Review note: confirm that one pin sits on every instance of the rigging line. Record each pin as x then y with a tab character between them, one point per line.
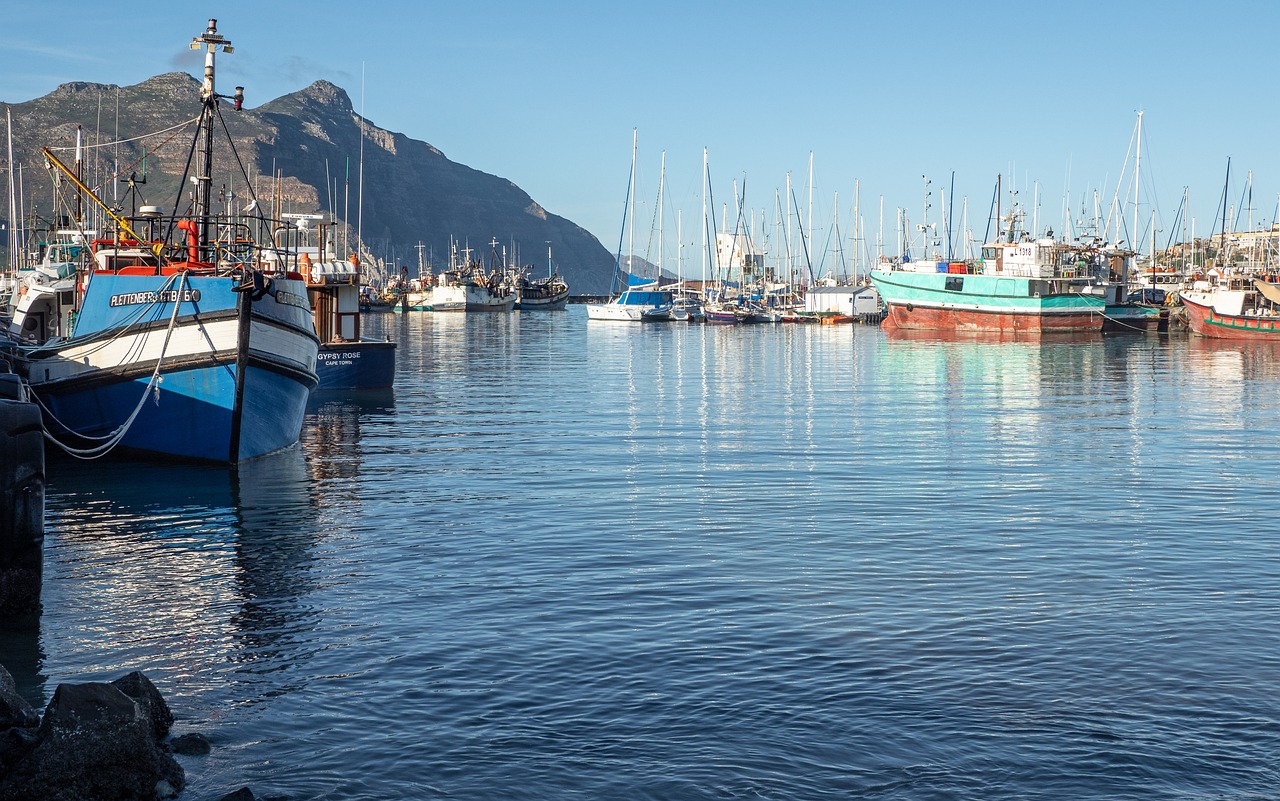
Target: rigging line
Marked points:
231	143
129	168
617	264
129	322
69	148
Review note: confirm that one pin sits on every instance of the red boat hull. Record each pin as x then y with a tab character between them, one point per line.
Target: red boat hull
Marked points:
1208	323
921	318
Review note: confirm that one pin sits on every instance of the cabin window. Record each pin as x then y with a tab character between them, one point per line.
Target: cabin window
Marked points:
955	283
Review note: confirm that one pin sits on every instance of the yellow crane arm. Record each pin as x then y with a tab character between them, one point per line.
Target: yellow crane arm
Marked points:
156	247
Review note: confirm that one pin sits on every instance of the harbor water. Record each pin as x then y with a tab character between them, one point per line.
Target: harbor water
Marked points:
569	559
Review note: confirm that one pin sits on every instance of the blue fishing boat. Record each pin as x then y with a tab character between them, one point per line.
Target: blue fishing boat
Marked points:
202	349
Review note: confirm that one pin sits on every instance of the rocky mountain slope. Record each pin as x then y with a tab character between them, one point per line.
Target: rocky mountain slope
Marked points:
310	143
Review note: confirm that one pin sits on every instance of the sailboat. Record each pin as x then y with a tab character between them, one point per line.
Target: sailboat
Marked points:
636	302
200	349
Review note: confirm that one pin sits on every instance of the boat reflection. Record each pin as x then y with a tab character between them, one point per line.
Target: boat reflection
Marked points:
187	572
892	333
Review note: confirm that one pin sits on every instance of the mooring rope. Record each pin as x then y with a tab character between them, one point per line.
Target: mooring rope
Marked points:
110	441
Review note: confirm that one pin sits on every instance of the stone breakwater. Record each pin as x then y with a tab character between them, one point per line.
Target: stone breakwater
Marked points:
95	742
22	476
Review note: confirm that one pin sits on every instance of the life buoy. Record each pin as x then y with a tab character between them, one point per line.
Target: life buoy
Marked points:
304	266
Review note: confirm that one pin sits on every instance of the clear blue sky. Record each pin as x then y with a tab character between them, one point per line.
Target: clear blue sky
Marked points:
547	94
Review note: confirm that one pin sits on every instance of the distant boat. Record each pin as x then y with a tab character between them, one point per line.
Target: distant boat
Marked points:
464	287
347	359
723	313
635	301
542	294
1238	306
195	350
633	304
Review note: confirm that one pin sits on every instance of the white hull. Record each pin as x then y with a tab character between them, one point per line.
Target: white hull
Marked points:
616	311
192	340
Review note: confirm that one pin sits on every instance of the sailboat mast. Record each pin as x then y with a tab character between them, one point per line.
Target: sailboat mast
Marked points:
13	199
680	245
1137	184
880	235
704	221
791	262
360	172
662	177
631	204
810	196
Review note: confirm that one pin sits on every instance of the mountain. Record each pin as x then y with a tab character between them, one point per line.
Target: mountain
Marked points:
308	140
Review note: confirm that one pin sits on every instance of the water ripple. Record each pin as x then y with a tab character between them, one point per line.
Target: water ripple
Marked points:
569	560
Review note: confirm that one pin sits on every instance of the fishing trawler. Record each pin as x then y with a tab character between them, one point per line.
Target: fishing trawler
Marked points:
1237	305
193	347
1020	284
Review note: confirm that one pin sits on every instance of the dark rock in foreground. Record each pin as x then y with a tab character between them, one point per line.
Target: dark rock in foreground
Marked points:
95	743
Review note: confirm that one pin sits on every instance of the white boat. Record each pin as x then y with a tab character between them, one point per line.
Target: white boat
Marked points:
633	305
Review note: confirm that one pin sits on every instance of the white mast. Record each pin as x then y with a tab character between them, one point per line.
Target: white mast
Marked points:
631	208
1137	184
857	232
837	256
704	221
811	204
662	177
680	245
13	201
880	234
924	220
360	174
791	263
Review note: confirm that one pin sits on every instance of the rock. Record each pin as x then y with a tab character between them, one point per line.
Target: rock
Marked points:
193	744
140	689
15	744
95	744
243	794
14	709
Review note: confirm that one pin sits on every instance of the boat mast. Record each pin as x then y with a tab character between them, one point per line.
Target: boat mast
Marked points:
13	203
811	197
662	177
858	230
680	246
791	261
704	223
924	220
210	43
631	204
880	236
360	173
1137	186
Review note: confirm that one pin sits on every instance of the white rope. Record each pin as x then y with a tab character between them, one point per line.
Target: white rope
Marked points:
70	148
110	441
